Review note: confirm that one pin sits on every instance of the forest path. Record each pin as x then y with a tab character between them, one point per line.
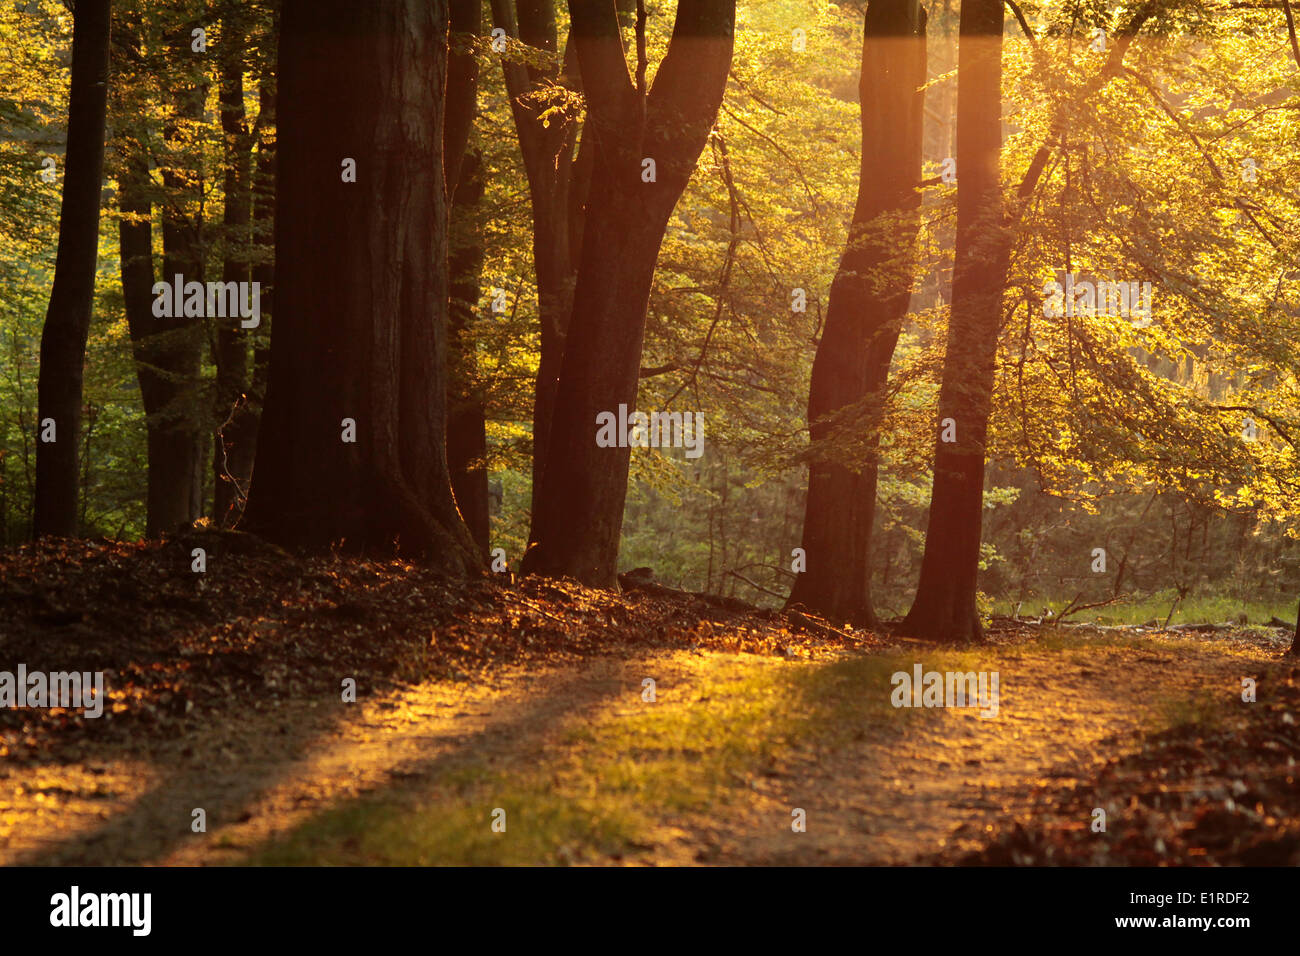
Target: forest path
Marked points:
587	771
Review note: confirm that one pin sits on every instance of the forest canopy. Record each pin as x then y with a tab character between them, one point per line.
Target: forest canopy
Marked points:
1024	306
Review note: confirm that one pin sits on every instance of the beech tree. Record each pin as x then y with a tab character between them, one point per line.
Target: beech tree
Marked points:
466	20
1162	442
558	172
352	445
945	606
466	418
467	446
67	321
157	61
179	459
236	420
868	301
645	145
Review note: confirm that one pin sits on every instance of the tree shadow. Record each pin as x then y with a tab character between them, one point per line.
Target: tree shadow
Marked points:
158	822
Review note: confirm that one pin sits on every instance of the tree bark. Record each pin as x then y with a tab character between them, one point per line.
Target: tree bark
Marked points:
264	237
1295	640
868	302
557	192
578	508
945	605
135	244
361	298
236	432
178	443
462	88
67	320
466	417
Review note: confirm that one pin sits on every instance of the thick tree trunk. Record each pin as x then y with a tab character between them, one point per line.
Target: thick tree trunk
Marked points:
359	342
945	605
462	88
236	434
466	419
578	508
868	302
67	321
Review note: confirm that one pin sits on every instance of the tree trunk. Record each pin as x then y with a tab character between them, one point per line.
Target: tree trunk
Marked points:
868	302
177	446
556	190
945	605
236	432
462	88
466	420
264	237
1295	640
359	343
67	321
578	510
135	246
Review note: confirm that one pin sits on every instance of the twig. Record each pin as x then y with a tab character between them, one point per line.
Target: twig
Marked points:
1085	607
756	587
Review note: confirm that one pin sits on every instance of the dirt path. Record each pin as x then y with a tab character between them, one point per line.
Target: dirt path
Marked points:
890	800
259	776
888	793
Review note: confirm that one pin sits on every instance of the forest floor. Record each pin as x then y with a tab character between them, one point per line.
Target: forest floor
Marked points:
526	704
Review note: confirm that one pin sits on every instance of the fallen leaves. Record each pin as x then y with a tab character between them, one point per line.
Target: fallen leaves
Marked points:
175	645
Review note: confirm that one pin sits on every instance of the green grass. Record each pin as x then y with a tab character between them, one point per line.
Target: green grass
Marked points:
1199	710
614	779
1080	644
1203	609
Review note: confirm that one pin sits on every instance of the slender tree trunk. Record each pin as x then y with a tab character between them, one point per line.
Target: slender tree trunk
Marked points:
359	342
557	183
578	510
868	302
264	237
466	418
135	244
177	446
1295	641
67	321
135	239
236	432
945	605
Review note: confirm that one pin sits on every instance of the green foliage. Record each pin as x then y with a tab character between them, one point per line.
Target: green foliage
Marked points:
1105	434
